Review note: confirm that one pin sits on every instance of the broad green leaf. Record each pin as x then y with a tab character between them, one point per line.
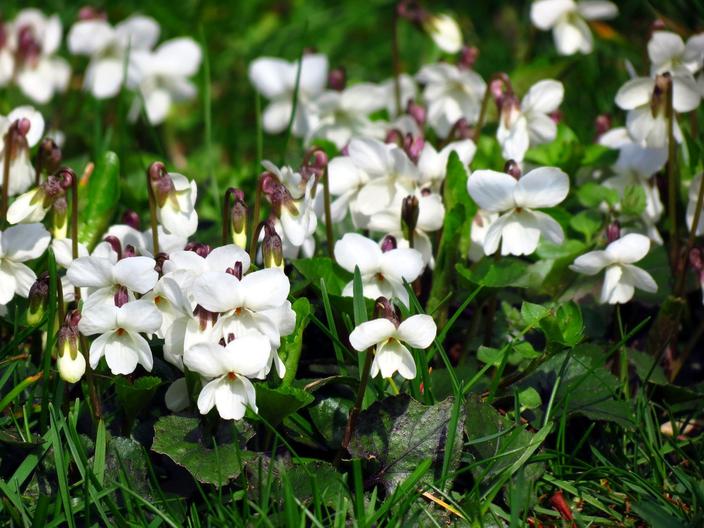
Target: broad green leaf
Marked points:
135	396
507	271
330	417
396	434
564	151
533	313
587	387
292	345
211	460
529	398
101	199
126	454
598	156
588	223
314	269
592	194
276	404
566	327
497	444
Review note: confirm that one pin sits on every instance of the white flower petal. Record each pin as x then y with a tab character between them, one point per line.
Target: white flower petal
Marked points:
139	316
265	289
419	331
614	290
591	263
640	278
597	9
205	359
371	333
24	242
541	187
636	92
246	355
136	273
492	190
543	97
628	249
356	250
218	291
545	13
402	264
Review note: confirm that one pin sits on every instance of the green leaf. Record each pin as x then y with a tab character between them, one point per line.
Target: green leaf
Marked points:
292	345
490	355
314	269
126	454
588	223
633	202
135	396
213	461
566	327
529	398
533	313
495	273
101	199
396	434
564	152
592	195
587	387
596	155
358	304
330	416
276	404
497	443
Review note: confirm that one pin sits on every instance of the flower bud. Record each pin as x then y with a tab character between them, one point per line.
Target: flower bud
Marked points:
388	243
513	169
417	112
445	32
70	361
238	219
468	56
385	309
337	79
461	130
48	156
409	215
613	232
272	248
131	218
162	184
59	217
38	298
413	146
314	164
602	124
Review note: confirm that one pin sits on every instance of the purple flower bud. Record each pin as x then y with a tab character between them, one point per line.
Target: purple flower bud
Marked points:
91	13
161	182
388	243
337	79
602	124
461	130
130	251
38	298
613	232
272	247
417	112
513	169
413	146
468	57
131	218
385	309
314	164
394	136
48	156
160	258
115	244
28	47
409	214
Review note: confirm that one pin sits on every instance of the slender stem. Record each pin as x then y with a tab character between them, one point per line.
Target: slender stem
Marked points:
226	216
395	57
60	300
623	355
485	104
328	214
92	389
671	178
6	176
74	228
354	414
255	238
152	215
255	220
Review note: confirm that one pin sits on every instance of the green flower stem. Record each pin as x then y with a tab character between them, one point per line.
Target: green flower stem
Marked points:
328	215
354	414
152	214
